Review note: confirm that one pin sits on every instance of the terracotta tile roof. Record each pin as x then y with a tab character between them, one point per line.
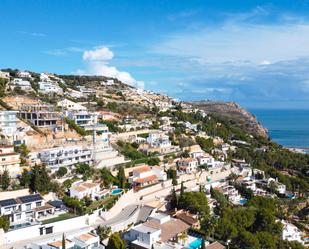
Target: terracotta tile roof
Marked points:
215	245
146	179
86	236
79	188
142	169
187	218
187	160
169	229
89	184
58	243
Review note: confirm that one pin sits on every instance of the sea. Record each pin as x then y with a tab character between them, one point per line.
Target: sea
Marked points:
289	128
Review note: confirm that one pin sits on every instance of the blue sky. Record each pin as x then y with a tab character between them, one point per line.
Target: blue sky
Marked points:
252	52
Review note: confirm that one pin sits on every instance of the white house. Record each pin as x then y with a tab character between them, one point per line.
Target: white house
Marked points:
92	190
49	87
8	123
187	165
142	176
25	208
159	229
81	239
71	106
291	232
24	74
23	84
9	160
4	75
206	159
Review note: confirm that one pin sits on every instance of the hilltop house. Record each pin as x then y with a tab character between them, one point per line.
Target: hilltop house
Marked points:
4	75
71	106
23	84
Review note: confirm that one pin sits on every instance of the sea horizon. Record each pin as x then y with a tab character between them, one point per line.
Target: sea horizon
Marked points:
287	127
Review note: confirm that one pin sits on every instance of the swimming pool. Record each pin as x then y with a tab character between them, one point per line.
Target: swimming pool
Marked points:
242	201
195	244
116	191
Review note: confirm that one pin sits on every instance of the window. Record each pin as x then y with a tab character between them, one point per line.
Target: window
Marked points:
49	230
18	216
38	204
28	206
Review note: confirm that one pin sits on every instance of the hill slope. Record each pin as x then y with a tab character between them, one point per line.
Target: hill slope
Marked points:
232	111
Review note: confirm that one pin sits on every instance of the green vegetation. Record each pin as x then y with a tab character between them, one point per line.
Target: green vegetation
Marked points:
130	151
112	125
3	83
115	242
206	144
62	171
5	180
4	223
75	127
251	226
61	217
195	202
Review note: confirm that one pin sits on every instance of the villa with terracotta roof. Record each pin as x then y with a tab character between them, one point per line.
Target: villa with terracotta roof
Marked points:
142	176
187	165
92	190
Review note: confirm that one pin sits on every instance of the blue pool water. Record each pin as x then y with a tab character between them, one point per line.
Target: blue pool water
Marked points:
242	201
195	244
116	191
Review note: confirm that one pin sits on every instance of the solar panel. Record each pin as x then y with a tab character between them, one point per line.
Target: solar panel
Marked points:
8	202
30	198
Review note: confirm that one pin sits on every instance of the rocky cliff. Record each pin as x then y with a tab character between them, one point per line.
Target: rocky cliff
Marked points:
242	118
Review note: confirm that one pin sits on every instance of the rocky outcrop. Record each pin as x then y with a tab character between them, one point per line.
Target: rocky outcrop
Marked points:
238	115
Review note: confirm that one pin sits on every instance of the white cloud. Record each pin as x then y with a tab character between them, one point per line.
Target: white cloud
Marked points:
265	62
100	54
97	63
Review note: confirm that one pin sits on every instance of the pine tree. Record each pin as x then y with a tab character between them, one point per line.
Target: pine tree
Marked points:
63	241
5	180
182	189
121	177
174	201
35	182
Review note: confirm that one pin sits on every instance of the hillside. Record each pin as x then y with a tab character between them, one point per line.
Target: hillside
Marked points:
236	114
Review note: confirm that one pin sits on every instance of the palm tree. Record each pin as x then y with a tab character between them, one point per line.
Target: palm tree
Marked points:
183	237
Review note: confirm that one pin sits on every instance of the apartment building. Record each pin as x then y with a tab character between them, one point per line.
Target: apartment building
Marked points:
67	156
41	115
9	160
